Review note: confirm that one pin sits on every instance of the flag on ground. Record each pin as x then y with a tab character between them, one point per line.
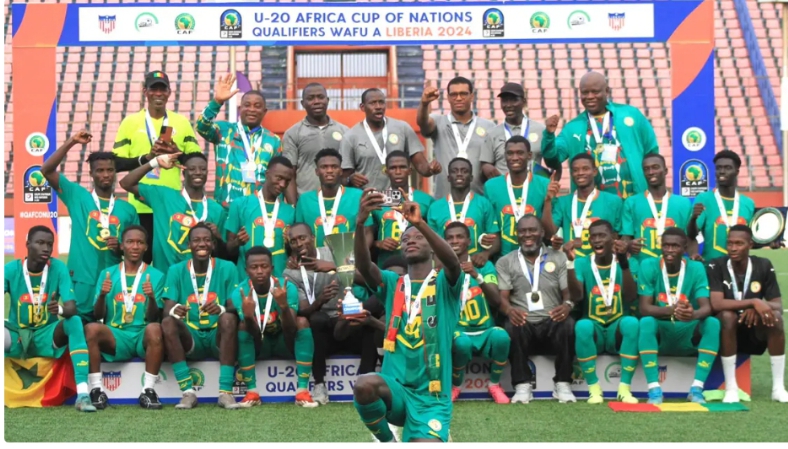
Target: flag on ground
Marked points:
38	381
677	407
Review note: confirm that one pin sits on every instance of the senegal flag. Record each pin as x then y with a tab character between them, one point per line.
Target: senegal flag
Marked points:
677	407
38	382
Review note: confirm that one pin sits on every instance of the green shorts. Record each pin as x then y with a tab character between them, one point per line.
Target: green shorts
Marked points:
675	337
84	295
605	336
420	416
274	346
27	343
203	344
128	344
481	344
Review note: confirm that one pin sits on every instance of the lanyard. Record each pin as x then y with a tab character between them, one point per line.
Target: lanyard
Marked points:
462	144
249	150
673	299
518	211
465	204
188	199
662	216
152	134
724	212
205	286
128	298
414	310
605	127
268	301
577	221
402	222
525	126
385	134
738	295
538	263
310	291
269	224
104	218
328	222
36	298
610	291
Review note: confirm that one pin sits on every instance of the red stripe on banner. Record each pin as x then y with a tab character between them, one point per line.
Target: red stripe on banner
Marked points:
61	385
622	407
691	46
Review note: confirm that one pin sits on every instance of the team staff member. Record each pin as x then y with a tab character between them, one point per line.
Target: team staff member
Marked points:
243	149
138	137
366	145
493	156
97	219
306	138
745	296
459	134
535	299
715	212
618	135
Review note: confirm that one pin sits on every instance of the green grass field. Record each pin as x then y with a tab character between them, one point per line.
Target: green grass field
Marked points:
542	421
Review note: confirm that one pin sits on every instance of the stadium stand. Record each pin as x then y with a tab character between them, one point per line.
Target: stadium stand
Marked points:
99	86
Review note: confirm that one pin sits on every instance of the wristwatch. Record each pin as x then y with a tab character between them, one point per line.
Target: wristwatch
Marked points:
570	304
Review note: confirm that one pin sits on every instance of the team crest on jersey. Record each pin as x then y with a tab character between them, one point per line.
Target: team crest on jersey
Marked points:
507	210
596	292
755	286
481	132
393	139
212	297
474	292
111	380
652	223
25	298
435	425
390	215
185	220
259	222
721	222
340	220
138	298
469	222
549	267
662	298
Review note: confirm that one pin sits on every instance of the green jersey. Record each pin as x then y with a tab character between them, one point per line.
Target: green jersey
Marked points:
231	153
630	136
89	252
386	221
480	218
173	217
475	316
245	213
22	311
407	364
179	288
638	221
714	228
497	191
308	211
595	308
605	206
116	306
651	283
274	324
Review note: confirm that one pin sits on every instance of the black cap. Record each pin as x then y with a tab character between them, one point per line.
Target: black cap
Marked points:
157	77
512	89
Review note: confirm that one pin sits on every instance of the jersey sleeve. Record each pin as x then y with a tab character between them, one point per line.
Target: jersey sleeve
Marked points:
172	287
159	283
616	205
388	282
489	273
292	296
505	280
437	119
554	147
700	222
715	276
563	283
233	223
558	213
122	146
701	284
97	289
771	288
413	145
491	225
68	190
7	274
65	288
646	280
455	291
290	146
627	215
152	195
347	150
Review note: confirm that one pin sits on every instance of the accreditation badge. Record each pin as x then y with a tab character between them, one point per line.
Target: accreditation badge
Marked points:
248	170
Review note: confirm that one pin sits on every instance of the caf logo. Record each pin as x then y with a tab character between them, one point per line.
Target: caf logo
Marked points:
37	144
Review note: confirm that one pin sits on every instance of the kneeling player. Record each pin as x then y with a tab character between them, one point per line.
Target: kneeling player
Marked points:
132	318
605	282
413	388
32	329
476	333
746	298
674	302
269	326
196	324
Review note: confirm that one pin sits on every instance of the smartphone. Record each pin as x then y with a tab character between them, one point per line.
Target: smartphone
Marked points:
166	134
393	197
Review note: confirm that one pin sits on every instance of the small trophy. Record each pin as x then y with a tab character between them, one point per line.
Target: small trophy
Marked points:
341	246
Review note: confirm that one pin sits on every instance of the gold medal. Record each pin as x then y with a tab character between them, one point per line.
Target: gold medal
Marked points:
535	297
383	169
268	241
104	233
37	314
128	317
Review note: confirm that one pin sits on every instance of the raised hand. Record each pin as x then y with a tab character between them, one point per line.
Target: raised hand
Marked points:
358	180
553	188
223	89
635	245
435	167
242	236
551	124
112	243
468	268
430	94
569	250
280	295
387	244
411	211
620	248
106	286
214	230
168	160
557	242
697	209
248	306
52	305
81	137
211	308
370	200
147	288
480	258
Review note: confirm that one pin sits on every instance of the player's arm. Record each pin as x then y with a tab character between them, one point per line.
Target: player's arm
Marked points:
130	182
647	308
441	248
100	301
648	137
49	169
491	294
574	284
629	292
223	91
547	209
487	160
704	309
421	164
290	151
554	147
65	295
370	201
423	118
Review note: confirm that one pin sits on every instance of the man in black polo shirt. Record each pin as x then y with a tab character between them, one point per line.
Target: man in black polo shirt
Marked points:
746	298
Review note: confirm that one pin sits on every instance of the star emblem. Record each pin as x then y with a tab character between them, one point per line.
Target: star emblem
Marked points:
28	376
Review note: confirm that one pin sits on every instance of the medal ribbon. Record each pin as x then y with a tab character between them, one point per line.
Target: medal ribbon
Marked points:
724	212
152	134
328	222
538	265
607	130
577	221
465	204
673	299
738	295
204	215
462	144
610	291
518	211
413	308
128	299
249	150
524	126
310	291
402	222
268	301
662	216
269	224
104	218
385	134
36	298
205	286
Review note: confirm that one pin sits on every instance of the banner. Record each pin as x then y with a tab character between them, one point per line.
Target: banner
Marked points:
8	234
38	381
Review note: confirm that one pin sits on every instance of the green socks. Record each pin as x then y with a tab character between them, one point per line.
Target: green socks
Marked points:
647	344
630	330
461	354
182	375
585	348
708	347
246	360
226	375
499	353
374	417
78	348
304	350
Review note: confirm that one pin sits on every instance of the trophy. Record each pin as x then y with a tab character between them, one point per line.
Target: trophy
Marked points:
768	225
341	246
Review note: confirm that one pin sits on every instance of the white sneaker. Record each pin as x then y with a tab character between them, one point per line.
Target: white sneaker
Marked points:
780	395
320	394
396	431
563	392
523	394
731	397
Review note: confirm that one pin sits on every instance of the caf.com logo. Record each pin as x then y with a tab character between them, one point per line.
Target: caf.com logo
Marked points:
693	139
37	144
